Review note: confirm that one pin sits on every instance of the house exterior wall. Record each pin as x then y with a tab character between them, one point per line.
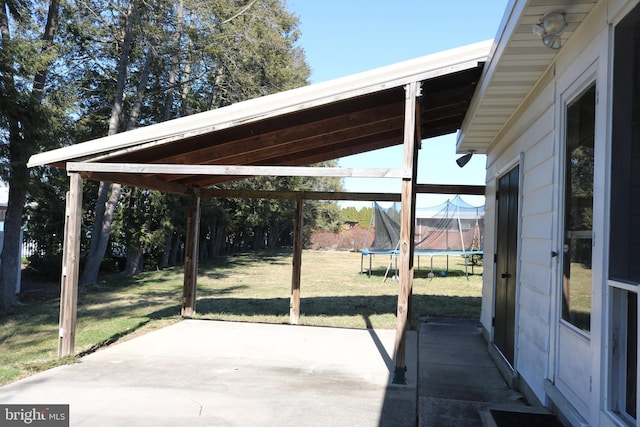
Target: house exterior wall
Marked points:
533	139
529	144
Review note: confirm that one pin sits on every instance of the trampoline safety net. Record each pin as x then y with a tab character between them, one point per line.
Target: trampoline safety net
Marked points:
453	226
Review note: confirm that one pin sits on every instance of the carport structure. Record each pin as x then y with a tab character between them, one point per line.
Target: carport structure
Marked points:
280	135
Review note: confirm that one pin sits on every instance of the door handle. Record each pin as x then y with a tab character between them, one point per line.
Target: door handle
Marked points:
505	275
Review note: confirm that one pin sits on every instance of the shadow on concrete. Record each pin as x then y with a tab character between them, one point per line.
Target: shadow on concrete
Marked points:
365	306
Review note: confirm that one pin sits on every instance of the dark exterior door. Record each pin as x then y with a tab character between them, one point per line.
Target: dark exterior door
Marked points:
506	264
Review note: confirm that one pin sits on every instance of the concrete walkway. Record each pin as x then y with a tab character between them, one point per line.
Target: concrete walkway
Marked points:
458	381
207	373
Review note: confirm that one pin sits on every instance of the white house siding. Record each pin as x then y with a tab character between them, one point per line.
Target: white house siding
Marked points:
531	133
535	269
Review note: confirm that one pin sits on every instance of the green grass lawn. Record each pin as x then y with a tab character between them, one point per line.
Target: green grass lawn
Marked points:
251	287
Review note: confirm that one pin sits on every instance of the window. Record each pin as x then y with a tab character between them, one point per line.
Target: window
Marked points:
625	155
624	231
631	386
624	354
578	208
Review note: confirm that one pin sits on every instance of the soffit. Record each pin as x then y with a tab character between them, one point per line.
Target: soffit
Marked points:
517	62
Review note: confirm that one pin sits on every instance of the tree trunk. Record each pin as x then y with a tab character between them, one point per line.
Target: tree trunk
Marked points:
134	260
123	64
274	235
175	62
256	243
134	247
215	242
186	88
175	249
221	241
164	258
101	231
104	209
134	116
186	83
11	251
202	249
10	257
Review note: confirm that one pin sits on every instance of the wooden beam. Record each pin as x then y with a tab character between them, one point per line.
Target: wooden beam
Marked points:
474	190
417	137
70	267
191	260
134	180
176	169
407	215
153	183
294	305
307	195
341	195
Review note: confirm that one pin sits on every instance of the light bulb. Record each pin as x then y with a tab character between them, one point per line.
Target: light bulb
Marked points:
553	41
554	23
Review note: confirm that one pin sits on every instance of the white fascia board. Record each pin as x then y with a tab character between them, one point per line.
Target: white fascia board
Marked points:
252	110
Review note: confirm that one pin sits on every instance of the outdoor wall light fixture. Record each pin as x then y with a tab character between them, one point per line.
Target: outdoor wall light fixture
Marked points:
462	161
549	29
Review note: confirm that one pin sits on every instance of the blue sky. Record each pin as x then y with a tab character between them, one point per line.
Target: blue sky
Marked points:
343	37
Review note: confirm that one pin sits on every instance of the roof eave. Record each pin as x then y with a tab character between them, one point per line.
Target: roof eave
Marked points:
516	65
274	105
506	29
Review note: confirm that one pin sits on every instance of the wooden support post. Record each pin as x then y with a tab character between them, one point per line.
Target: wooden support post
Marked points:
70	267
407	226
294	305
191	260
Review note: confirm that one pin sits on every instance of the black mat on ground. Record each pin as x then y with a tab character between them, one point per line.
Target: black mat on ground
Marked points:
524	419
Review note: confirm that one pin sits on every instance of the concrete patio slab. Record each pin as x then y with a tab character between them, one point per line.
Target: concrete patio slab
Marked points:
210	373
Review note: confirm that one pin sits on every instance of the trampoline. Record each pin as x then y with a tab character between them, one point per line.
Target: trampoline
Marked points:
453	228
473	256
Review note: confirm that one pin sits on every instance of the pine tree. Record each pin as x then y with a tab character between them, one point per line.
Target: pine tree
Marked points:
25	60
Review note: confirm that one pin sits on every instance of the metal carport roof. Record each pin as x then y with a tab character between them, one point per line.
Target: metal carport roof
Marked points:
299	127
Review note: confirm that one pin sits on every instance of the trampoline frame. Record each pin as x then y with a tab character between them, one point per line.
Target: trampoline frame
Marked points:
394	253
